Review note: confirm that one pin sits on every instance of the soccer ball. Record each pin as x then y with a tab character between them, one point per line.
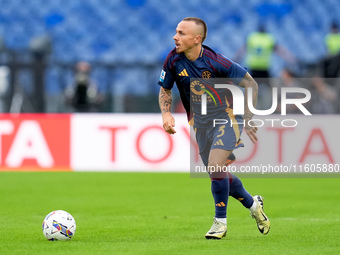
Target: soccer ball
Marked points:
59	225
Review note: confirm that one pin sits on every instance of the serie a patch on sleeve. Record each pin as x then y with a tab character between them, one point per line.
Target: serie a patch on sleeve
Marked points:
162	76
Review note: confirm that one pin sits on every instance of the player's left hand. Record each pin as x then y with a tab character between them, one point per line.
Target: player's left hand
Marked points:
251	131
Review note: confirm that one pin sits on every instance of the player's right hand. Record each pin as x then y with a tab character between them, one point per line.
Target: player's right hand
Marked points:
168	123
251	130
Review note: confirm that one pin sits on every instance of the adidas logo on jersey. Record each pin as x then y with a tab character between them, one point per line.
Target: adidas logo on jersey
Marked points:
183	73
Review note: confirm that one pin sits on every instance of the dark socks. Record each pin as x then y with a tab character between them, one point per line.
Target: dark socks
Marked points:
239	192
220	190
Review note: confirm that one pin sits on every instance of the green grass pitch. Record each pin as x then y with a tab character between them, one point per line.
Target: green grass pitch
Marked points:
164	213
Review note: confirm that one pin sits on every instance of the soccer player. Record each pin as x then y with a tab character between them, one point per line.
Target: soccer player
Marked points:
191	59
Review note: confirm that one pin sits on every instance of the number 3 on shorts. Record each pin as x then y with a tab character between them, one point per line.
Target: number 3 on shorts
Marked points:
221	129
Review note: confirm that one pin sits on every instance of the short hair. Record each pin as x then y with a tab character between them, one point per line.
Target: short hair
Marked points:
201	23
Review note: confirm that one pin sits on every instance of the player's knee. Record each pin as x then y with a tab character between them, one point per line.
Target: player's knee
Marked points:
215	166
217	170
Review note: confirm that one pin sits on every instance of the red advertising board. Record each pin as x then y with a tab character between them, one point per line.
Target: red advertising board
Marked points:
35	142
137	142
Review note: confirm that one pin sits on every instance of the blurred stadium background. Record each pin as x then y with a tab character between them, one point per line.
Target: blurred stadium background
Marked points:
126	42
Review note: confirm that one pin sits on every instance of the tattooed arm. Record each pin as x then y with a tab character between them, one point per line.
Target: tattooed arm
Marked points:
248	82
165	100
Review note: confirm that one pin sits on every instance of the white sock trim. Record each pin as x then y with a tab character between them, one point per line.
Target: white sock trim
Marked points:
222	220
253	206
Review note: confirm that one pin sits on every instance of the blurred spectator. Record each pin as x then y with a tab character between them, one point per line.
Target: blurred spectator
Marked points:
259	49
83	93
332	40
330	65
324	97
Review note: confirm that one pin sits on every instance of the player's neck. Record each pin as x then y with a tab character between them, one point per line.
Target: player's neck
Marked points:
194	53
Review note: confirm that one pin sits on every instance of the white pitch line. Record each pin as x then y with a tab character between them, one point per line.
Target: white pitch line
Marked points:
308	219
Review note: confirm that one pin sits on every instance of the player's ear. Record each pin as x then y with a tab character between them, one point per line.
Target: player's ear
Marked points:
198	39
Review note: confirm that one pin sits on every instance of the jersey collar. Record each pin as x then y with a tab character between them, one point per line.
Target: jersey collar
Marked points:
199	56
201	53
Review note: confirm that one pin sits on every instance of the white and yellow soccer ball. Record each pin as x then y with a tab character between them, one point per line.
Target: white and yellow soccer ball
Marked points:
59	225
